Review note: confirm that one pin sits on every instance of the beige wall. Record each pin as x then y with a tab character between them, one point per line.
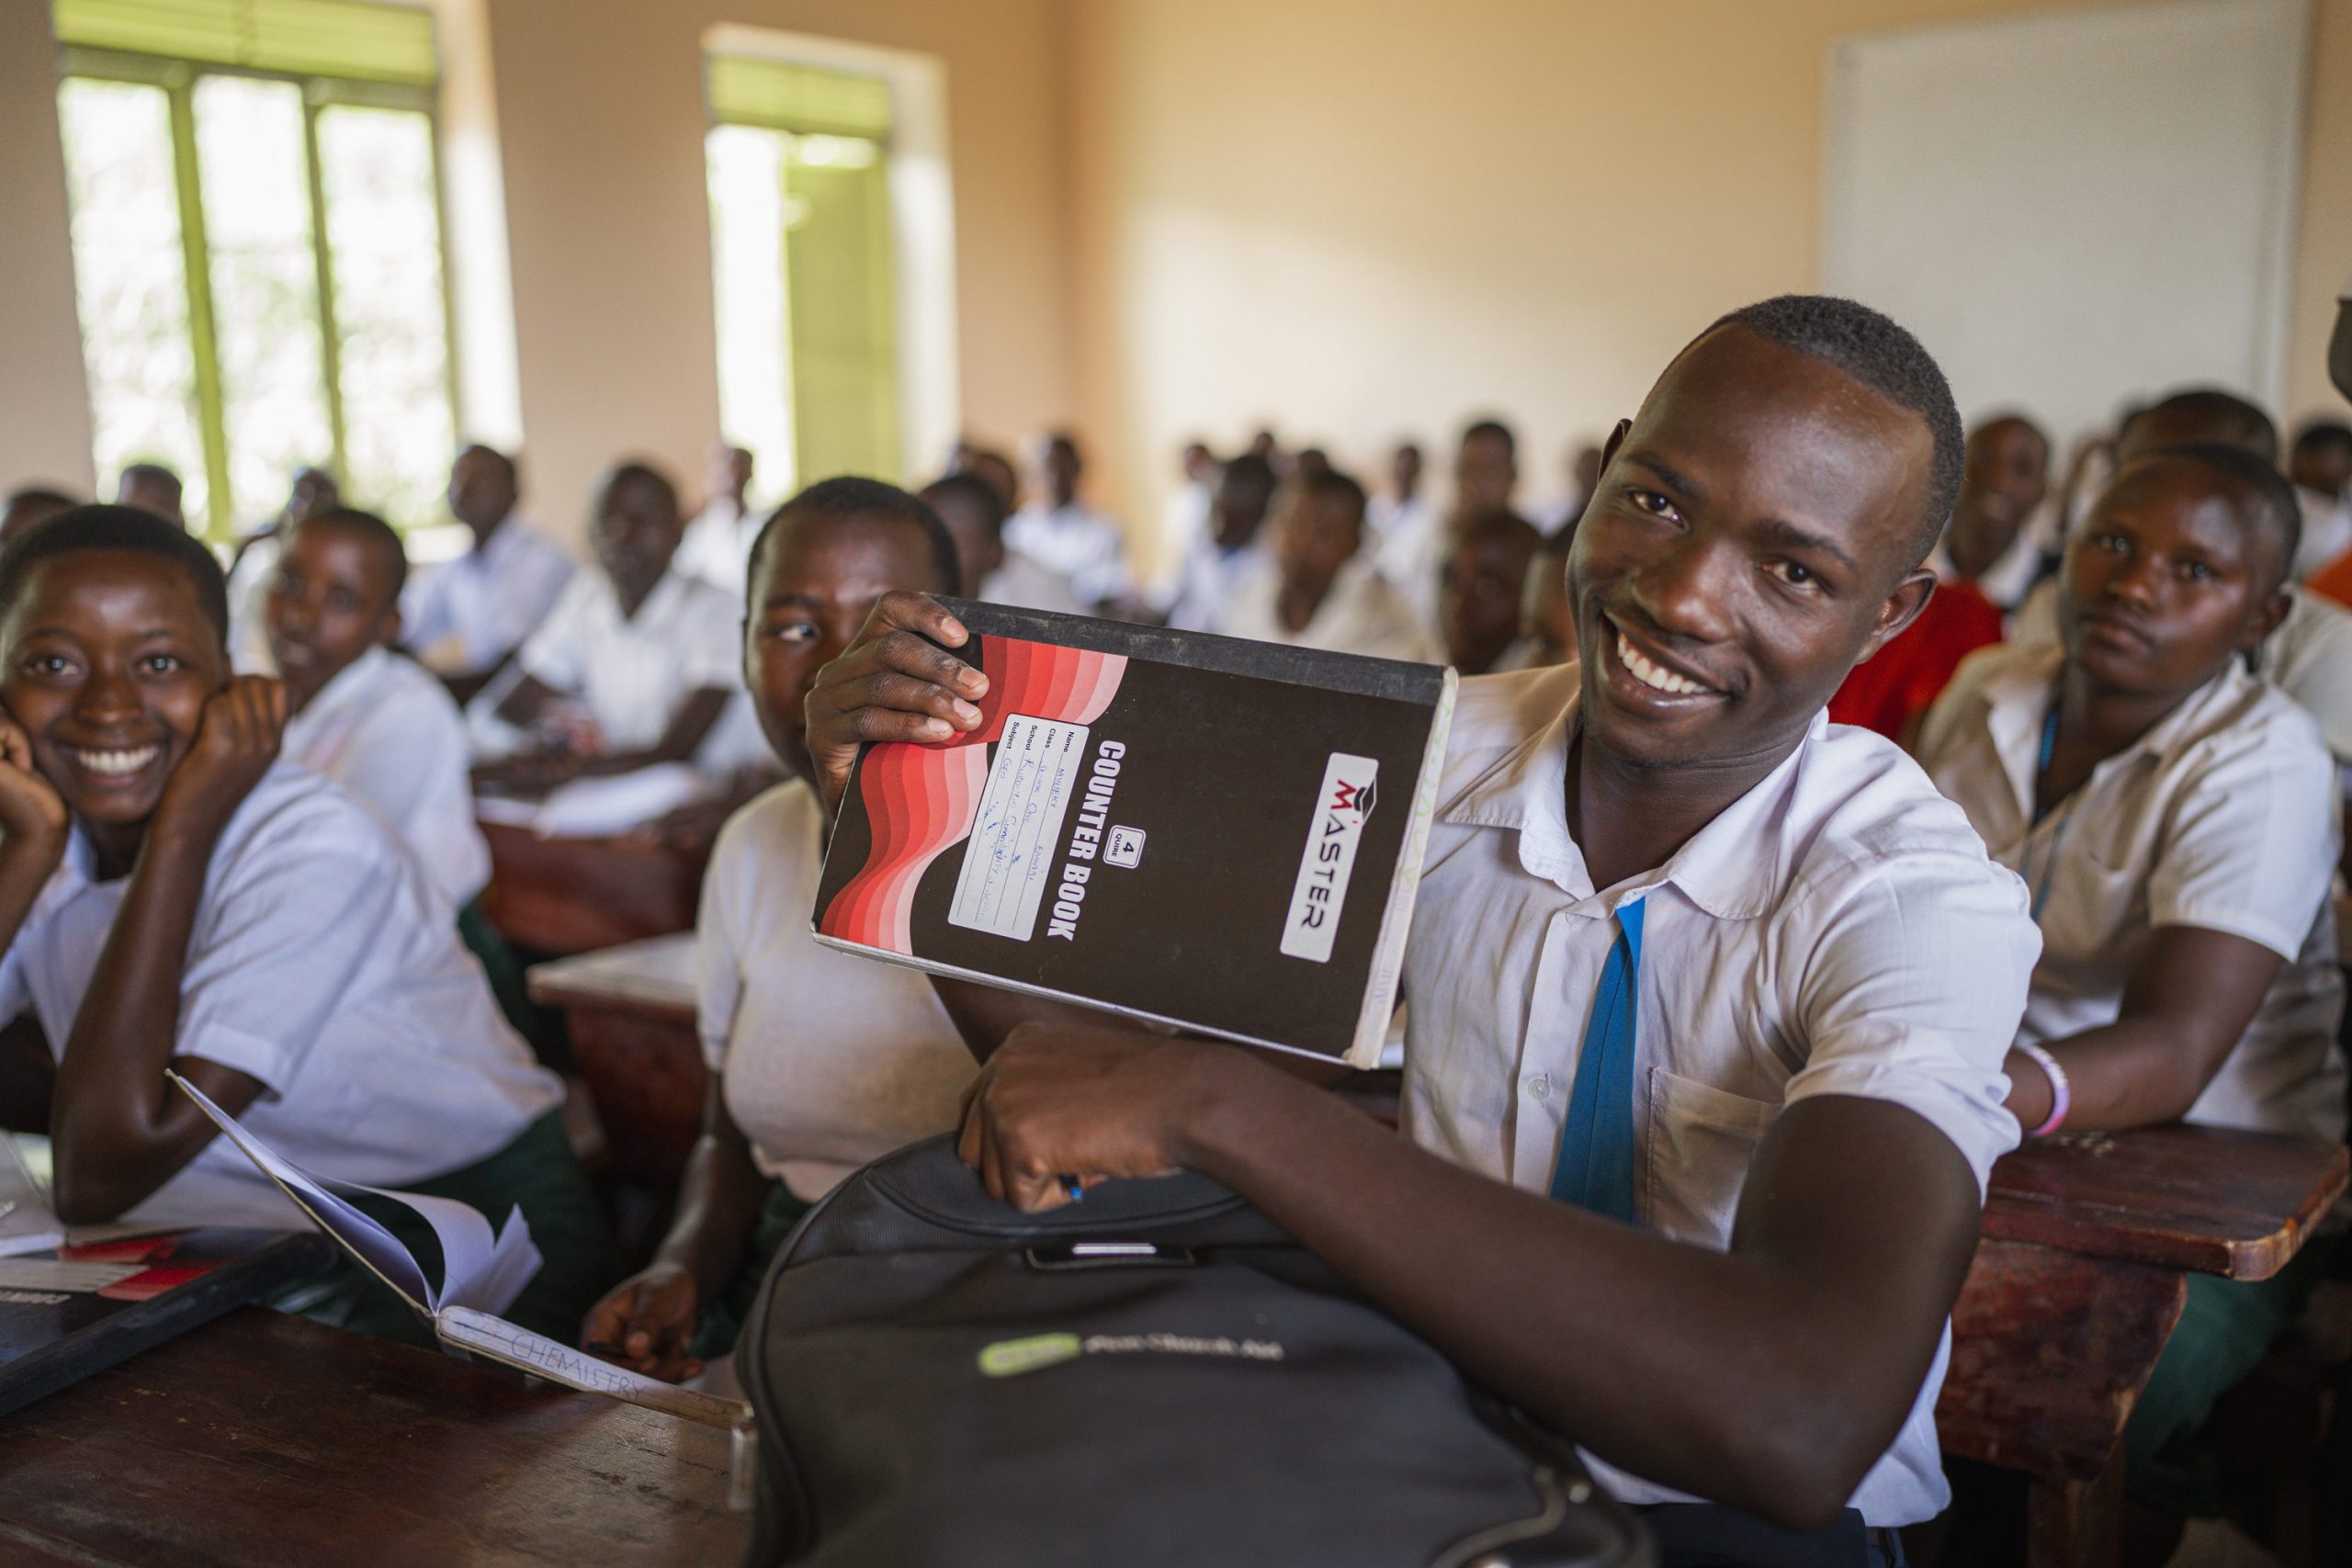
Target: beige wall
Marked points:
1369	218
2324	256
601	122
44	396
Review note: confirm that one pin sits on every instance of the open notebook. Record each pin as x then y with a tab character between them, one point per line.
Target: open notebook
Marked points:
482	1275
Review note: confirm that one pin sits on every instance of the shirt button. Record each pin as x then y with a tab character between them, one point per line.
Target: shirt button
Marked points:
1539	1086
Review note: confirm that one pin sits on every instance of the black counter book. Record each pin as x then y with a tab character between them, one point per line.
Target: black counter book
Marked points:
1202	831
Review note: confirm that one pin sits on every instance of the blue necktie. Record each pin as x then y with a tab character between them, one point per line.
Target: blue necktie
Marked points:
1595	1168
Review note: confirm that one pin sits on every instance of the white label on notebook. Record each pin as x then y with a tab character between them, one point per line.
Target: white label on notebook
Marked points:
1330	856
1031	782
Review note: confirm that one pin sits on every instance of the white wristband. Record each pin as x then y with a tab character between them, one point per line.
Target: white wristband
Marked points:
2061	1097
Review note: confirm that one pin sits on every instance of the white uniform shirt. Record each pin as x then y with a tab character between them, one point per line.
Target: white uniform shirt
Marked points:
388	732
2222	817
717	547
249	582
464	615
1025	585
2309	657
1837	929
827	1060
323	965
1078	542
1208	580
1359	614
633	673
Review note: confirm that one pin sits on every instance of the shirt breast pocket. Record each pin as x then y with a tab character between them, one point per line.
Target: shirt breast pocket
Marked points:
1701	1141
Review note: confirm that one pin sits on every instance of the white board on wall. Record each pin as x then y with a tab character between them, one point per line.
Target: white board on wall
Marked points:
2074	209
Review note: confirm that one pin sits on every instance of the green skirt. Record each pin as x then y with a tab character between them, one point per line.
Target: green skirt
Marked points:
579	1259
722	1320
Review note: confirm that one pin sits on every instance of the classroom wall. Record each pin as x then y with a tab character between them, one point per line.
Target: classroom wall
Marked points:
44	396
601	121
1371	217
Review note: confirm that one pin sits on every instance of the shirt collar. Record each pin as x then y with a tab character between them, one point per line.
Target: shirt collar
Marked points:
347	685
1728	867
2018	702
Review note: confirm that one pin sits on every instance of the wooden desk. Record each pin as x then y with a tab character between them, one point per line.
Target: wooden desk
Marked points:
2077	1282
565	896
269	1441
630	1014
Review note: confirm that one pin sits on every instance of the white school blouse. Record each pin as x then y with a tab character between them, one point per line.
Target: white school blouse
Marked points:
1079	543
1837	929
323	965
827	1060
633	673
464	615
2224	816
1360	613
391	735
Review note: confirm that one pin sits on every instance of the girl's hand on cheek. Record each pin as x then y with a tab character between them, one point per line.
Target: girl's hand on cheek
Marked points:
31	811
235	743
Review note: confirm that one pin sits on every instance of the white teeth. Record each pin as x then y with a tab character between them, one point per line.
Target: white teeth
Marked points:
116	763
1654	675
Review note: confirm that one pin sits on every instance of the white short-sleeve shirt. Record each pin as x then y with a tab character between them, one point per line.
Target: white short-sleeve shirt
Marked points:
1079	543
1025	585
464	615
717	547
323	965
827	1060
2224	816
633	673
391	735
1837	929
1360	613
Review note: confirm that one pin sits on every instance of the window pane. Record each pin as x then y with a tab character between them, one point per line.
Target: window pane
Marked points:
838	266
250	163
747	221
384	234
130	282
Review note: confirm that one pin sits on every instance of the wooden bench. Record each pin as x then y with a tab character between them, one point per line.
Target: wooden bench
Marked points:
270	1441
565	896
630	1013
2081	1274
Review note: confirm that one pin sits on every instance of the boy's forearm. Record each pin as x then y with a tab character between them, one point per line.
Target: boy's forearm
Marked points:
718	1207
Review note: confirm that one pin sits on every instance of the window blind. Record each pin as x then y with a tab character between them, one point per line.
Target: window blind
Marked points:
355	39
808	100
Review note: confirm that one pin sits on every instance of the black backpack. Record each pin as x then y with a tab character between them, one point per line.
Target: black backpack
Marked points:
1156	1375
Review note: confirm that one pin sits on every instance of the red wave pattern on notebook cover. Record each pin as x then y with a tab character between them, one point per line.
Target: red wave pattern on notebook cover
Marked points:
921	800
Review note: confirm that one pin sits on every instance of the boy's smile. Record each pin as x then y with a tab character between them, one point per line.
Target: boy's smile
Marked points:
109	660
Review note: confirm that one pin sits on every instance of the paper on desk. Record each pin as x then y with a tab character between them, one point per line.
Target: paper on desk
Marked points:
50	1274
594	808
542	1356
477	1270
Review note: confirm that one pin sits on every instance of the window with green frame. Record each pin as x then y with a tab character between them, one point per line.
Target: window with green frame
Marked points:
258	248
802	242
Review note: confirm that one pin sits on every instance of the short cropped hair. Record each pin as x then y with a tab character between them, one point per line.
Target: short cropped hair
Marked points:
373	529
1332	485
852	496
1878	353
974	490
2267	500
2324	435
1490	429
2227	419
635	471
123	528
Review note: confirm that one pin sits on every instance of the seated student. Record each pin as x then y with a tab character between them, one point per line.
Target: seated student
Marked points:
1481	585
255	567
172	895
1547	621
1485	475
363	716
2168	812
999	574
1404	510
27	507
2309	657
152	488
1061	532
2320	463
819	1061
2001	488
1718	1242
1320	590
718	543
634	663
465	618
970	457
1229	550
